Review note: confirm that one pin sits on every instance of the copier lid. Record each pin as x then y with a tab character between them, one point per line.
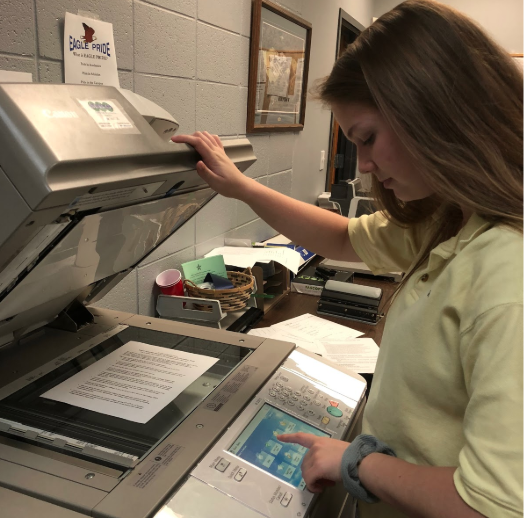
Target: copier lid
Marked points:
87	190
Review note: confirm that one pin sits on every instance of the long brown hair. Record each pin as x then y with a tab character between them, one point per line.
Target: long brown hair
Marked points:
454	98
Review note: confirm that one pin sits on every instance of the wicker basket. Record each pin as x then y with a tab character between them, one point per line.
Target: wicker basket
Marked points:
230	300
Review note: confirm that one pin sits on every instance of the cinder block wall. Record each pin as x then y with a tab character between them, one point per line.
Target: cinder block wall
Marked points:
192	58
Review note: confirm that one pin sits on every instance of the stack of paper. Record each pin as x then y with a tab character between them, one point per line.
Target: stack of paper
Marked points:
332	341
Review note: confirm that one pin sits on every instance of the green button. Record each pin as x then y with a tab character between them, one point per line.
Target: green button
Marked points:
334	411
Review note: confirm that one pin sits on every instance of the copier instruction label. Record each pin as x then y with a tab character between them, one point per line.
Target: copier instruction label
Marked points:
145	473
108	115
232	386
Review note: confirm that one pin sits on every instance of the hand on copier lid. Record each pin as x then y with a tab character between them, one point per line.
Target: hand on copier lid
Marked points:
322	463
216	168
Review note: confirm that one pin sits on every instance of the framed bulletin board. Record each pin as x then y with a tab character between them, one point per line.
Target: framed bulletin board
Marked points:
278	69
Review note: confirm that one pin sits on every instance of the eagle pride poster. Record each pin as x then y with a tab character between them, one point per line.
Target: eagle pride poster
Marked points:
89	52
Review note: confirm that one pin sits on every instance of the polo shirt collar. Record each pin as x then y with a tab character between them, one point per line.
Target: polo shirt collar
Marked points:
475	226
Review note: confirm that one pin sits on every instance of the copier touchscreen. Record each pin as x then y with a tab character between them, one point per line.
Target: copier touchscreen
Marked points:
257	444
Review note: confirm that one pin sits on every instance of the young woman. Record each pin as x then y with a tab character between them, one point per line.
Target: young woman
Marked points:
434	107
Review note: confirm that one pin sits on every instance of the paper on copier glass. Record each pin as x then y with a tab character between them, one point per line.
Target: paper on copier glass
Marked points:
134	382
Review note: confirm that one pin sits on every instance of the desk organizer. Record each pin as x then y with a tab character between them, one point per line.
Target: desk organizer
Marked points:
276	285
230	300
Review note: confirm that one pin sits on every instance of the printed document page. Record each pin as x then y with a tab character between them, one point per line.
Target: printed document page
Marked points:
359	355
134	382
311	327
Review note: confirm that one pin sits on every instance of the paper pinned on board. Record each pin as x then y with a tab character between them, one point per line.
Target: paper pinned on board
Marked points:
244	257
359	355
134	382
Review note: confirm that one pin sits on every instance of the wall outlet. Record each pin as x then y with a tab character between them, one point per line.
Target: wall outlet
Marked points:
322	160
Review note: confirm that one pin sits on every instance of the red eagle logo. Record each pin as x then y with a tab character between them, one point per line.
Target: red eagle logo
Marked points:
88	37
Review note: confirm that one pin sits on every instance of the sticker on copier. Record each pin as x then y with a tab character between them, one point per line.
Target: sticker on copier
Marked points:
232	386
108	115
158	461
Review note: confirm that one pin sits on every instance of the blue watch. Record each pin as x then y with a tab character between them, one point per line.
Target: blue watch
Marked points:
361	447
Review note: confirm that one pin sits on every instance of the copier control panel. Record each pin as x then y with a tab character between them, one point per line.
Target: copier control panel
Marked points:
251	465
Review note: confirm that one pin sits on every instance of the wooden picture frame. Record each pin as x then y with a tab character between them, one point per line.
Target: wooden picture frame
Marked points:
278	69
519	59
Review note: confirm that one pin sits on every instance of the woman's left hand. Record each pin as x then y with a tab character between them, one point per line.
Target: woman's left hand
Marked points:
321	464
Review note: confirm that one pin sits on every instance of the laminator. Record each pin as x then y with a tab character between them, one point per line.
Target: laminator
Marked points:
89	186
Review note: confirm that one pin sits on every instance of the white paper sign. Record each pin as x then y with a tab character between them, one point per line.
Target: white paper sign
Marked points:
89	52
134	382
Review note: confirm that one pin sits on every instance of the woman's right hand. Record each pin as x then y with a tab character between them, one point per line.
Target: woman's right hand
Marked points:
216	168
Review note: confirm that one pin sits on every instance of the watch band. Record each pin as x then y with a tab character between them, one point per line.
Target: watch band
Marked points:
361	447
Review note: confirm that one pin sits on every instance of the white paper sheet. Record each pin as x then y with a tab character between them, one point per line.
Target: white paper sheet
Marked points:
134	382
310	326
244	257
360	355
280	334
89	52
9	76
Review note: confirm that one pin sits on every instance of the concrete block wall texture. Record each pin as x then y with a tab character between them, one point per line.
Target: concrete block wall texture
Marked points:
192	58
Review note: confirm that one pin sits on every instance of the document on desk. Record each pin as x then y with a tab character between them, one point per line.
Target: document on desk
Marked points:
134	382
244	257
359	355
279	334
310	327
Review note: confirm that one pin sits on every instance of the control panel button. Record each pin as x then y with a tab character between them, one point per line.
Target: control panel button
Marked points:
272	393
325	420
291	403
286	499
297	393
318	403
335	412
222	465
307	398
334	403
294	398
310	391
282	397
241	473
310	412
279	385
300	407
284	379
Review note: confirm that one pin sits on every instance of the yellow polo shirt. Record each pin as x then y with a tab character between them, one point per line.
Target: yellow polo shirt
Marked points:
447	389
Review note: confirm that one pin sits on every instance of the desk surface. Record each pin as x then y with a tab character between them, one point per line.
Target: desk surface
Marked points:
295	304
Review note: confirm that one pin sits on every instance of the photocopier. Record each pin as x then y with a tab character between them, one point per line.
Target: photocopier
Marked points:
89	186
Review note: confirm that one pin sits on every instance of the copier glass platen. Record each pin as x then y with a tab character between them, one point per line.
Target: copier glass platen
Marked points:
89	186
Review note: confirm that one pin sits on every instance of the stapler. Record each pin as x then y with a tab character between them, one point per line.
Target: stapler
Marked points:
351	301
